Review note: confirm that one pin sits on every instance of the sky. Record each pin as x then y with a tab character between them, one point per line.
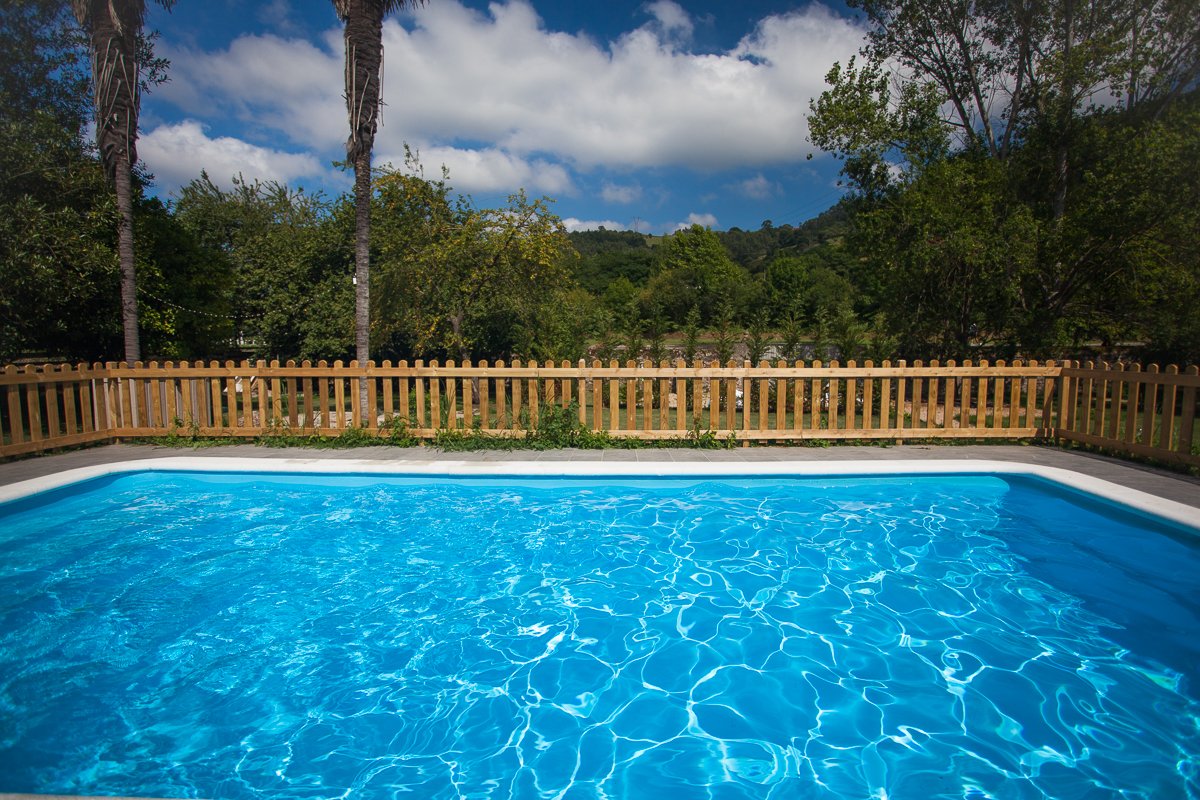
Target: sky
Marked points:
629	114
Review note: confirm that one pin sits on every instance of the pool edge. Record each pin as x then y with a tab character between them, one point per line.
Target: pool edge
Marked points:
1136	499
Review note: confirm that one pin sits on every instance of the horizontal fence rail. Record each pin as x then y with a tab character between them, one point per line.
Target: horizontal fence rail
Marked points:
1147	412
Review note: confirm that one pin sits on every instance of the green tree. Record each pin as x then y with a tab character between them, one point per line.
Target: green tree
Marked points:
656	339
691	334
289	258
879	135
757	336
114	28
465	281
567	325
619	297
847	333
694	269
185	287
1126	249
807	286
1021	233
791	331
950	251
58	218
597	270
58	272
724	334
633	328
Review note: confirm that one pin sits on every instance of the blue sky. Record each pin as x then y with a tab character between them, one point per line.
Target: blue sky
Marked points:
630	114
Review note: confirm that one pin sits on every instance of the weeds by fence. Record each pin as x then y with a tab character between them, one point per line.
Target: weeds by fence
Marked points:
1146	413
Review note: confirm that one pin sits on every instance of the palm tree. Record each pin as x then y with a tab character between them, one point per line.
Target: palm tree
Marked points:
112	27
363	34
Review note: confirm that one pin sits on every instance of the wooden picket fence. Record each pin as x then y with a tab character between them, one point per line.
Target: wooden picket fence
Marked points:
1120	407
1147	413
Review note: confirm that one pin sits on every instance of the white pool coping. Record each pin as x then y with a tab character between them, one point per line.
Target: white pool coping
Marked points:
1179	513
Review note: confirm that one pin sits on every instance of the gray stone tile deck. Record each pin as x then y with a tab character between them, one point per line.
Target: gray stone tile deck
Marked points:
1161	483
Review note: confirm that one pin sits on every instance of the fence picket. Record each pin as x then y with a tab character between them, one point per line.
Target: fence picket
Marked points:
531	399
798	400
1030	387
1149	406
815	398
321	409
1170	396
50	398
403	410
1188	418
647	400
463	395
370	414
1132	393
387	391
962	400
931	399
87	418
949	398
730	391
681	398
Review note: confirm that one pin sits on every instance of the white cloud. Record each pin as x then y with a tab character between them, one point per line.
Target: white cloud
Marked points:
757	188
491	170
500	79
705	220
639	101
672	19
289	87
614	193
277	15
177	153
572	224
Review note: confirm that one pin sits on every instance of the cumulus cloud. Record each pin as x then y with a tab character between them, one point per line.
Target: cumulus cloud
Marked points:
500	78
530	90
492	170
277	14
572	224
614	193
756	188
289	87
705	220
176	154
672	19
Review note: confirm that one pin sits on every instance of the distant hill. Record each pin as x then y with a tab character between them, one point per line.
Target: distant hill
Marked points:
608	255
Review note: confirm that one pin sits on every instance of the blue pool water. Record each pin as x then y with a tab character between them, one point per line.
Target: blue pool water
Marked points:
222	636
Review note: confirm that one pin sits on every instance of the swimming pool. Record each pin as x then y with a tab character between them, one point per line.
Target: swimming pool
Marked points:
184	634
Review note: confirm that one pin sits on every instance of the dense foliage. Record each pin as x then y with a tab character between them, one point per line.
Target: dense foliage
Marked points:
1024	175
1065	223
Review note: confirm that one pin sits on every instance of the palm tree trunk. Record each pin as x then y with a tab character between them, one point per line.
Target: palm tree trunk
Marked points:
362	268
129	306
112	28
